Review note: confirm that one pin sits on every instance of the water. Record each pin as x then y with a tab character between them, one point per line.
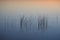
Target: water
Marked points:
27	20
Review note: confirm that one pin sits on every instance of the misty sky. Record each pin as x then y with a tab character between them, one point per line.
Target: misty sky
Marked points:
30	7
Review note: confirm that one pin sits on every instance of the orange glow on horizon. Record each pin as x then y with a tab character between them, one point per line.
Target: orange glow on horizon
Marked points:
31	6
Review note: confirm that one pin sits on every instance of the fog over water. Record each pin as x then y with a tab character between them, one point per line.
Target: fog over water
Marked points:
30	20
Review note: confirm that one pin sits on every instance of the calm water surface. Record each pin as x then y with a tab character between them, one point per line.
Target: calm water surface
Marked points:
30	20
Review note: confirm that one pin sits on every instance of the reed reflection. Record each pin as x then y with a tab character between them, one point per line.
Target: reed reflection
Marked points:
23	23
42	23
26	25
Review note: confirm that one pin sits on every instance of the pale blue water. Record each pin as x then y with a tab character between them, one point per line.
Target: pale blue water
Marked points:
10	28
